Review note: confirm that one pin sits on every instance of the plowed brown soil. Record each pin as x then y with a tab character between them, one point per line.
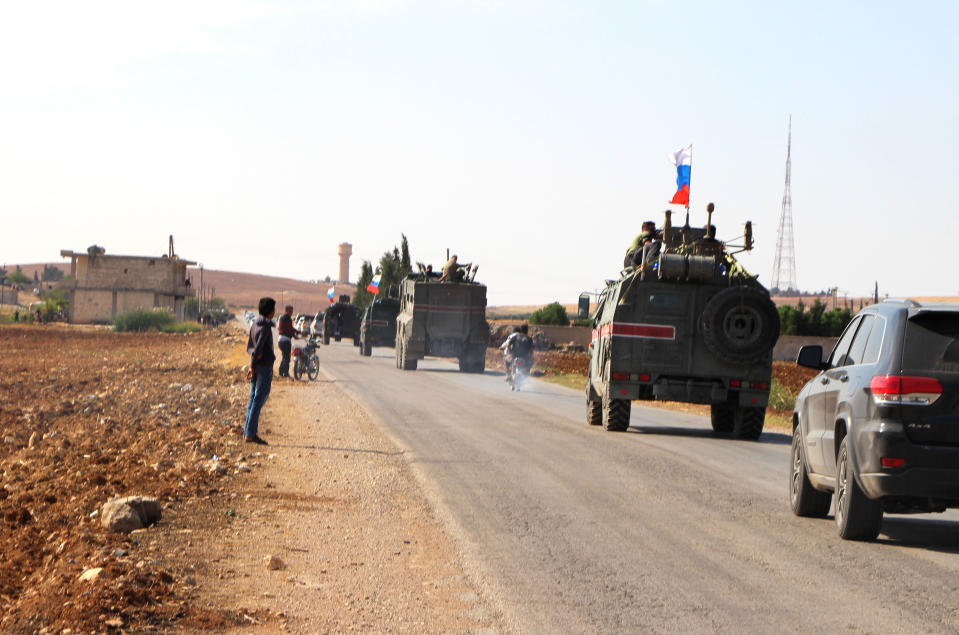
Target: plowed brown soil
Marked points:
87	415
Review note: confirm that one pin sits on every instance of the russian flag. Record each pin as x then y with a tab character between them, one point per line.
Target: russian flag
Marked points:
682	159
374	286
331	293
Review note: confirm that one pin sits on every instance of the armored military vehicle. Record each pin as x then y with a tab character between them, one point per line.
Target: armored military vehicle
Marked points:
378	327
445	319
693	326
342	319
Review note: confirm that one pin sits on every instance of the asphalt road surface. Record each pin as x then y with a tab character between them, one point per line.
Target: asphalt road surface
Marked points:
568	528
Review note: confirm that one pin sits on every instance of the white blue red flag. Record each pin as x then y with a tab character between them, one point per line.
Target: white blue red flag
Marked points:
683	160
331	293
374	286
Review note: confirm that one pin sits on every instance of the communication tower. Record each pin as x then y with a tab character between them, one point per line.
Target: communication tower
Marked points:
784	267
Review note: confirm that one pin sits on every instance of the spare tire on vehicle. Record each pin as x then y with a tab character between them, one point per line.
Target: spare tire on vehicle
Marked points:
741	325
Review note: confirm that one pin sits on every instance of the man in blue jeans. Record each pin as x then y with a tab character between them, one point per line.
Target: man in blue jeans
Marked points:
260	375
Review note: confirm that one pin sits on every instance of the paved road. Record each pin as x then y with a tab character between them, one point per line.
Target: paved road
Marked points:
567	528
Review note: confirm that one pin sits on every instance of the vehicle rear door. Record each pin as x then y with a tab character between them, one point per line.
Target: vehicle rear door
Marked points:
815	402
930	377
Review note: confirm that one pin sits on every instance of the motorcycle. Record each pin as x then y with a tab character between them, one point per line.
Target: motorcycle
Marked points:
518	373
306	360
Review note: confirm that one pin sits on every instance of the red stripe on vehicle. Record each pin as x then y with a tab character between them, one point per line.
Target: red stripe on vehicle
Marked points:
634	330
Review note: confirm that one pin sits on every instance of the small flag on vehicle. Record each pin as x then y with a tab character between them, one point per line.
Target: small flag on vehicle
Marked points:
331	293
374	285
683	160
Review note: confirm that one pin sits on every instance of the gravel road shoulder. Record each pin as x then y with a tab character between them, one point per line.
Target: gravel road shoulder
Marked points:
334	499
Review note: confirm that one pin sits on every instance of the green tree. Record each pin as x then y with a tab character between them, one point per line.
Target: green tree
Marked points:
18	277
405	254
51	273
362	298
553	313
55	303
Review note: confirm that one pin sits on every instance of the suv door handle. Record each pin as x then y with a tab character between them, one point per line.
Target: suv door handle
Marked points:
824	381
844	378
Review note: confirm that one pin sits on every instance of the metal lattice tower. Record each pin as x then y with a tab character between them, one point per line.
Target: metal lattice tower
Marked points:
784	267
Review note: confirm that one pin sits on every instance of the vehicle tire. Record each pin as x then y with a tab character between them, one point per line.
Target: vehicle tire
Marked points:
749	422
356	340
405	362
338	338
723	417
740	325
313	371
594	410
616	414
857	517
298	369
805	499
366	349
326	339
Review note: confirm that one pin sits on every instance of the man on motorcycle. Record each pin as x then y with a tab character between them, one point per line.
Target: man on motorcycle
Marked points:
521	346
507	355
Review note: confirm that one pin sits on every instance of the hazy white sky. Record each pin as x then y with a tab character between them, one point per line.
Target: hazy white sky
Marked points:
528	136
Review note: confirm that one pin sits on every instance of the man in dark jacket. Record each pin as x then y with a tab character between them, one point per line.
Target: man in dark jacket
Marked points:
260	375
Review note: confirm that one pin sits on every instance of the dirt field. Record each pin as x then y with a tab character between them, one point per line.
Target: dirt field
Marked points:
88	414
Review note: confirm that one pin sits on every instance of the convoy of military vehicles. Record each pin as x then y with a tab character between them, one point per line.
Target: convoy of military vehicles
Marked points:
684	322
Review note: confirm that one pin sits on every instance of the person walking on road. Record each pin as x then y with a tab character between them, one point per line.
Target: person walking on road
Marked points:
260	374
287	332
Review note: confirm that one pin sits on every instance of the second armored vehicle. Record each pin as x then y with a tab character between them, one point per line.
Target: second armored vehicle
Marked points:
693	326
342	320
378	327
446	319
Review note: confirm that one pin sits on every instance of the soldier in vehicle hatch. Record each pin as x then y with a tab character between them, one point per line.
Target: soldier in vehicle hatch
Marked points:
453	271
644	248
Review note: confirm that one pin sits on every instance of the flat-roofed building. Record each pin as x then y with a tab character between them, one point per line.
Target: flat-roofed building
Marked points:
104	286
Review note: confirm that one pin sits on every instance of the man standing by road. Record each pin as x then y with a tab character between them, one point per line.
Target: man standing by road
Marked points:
286	331
260	375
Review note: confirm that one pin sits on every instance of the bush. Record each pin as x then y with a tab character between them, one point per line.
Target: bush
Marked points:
816	321
554	313
183	327
144	320
583	322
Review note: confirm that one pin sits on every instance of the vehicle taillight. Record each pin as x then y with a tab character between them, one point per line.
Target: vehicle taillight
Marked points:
644	377
759	385
735	383
893	461
621	376
891	390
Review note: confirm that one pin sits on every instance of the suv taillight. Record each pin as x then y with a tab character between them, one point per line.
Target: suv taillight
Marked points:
892	390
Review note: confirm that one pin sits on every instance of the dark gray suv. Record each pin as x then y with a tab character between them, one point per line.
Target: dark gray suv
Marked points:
878	428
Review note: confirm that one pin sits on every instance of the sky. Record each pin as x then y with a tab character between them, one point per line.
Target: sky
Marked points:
529	137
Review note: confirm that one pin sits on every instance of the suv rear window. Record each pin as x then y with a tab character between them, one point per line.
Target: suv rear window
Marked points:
932	342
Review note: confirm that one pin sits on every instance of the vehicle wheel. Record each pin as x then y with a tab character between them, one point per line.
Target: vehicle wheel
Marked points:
326	339
723	417
594	410
366	349
338	338
356	341
804	498
314	370
749	422
740	325
298	369
616	414
405	362
857	517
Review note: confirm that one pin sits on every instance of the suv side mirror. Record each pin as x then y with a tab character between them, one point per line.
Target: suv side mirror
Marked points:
810	357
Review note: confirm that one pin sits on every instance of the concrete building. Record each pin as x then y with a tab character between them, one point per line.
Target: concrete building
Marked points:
345	251
104	286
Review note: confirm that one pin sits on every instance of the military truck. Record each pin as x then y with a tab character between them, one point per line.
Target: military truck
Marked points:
342	319
378	327
445	319
692	326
